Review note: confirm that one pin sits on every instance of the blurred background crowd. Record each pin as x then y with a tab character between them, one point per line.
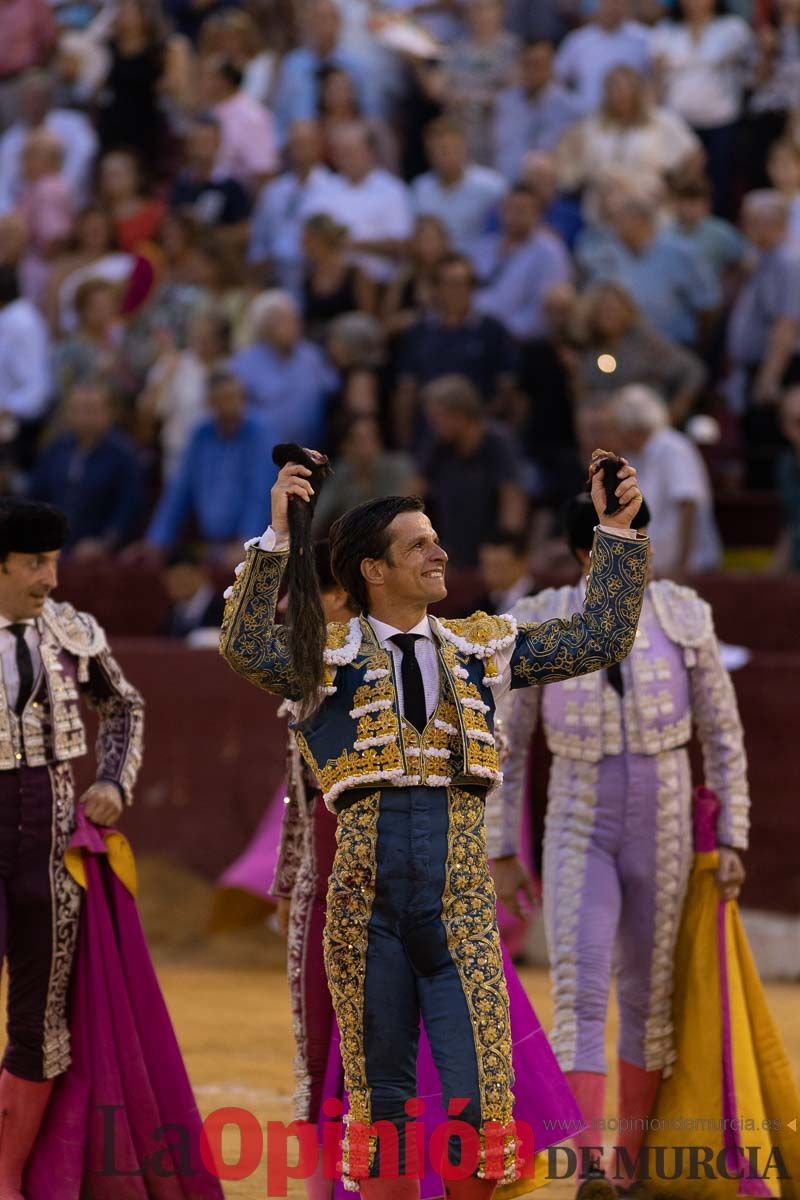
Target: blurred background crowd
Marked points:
454	243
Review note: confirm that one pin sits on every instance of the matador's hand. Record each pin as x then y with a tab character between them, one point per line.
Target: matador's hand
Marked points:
511	877
731	873
103	803
627	491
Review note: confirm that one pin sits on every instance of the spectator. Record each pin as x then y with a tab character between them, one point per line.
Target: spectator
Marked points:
129	110
297	91
362	470
176	396
628	140
339	104
200	192
411	293
764	333
783	169
472	75
519	265
248	149
471	472
533	114
505	570
673	477
275	251
333	285
702	58
373	205
454	338
608	40
137	218
715	240
91	472
357	349
674	291
283	375
234	35
92	351
72	130
25	384
542	410
91	254
221	486
196	604
188	16
775	82
787	553
561	212
45	207
29	37
617	347
463	195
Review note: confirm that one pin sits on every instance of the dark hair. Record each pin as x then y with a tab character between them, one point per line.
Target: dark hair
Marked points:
9	288
221	377
516	541
227	69
535	39
205	120
363	533
186	555
579	520
306	617
322	561
453	259
696	187
523	189
679	16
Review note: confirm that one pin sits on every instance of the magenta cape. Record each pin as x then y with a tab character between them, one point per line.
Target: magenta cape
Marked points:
542	1095
122	1123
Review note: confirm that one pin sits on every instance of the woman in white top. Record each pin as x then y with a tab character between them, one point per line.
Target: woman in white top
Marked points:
628	140
703	58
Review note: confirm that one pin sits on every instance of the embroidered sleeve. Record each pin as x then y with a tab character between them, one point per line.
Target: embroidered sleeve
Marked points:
250	641
120	736
290	852
599	636
719	728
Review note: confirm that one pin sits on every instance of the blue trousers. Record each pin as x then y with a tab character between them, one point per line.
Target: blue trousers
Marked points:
411	932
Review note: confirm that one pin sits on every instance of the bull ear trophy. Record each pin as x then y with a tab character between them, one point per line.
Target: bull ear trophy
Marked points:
306	619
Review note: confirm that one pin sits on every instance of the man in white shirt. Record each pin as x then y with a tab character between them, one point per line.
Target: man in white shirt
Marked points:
372	204
463	195
673	477
72	130
25	382
609	40
400	738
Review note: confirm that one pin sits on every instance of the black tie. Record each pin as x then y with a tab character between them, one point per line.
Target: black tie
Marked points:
414	707
24	667
614	675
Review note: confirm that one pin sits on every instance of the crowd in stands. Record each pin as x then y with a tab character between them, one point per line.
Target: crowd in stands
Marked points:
456	244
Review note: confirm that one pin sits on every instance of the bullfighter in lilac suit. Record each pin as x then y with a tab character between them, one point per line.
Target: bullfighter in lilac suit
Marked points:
50	656
618	834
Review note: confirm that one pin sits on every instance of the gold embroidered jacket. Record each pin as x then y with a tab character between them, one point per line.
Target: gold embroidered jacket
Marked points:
76	661
357	737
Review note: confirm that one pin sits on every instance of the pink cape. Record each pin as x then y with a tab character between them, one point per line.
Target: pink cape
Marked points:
122	1123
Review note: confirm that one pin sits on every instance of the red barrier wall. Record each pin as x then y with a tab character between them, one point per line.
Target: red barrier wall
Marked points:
215	754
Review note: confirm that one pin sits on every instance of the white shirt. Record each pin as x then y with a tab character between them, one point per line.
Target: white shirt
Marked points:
587	55
704	79
8	657
671	471
24	373
425	653
377	208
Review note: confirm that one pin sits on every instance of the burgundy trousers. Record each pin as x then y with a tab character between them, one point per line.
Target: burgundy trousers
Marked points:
39	909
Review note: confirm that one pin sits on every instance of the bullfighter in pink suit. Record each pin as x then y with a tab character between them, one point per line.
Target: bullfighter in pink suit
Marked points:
618	843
